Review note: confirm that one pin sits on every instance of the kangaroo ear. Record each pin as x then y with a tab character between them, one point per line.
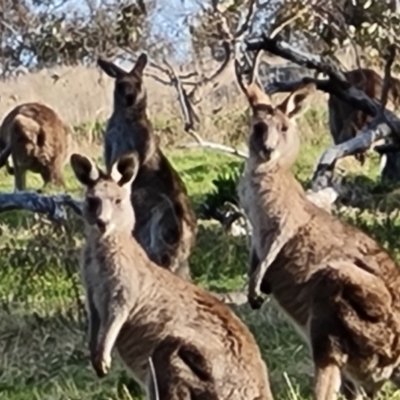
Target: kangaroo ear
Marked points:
84	169
110	68
295	104
125	169
140	64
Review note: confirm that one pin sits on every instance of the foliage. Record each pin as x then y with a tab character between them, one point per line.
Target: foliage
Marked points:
92	132
327	26
320	26
224	190
37	34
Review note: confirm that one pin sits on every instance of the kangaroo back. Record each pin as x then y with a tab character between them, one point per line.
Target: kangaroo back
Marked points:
38	141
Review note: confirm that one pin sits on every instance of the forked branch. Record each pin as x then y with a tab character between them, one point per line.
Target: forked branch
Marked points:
190	116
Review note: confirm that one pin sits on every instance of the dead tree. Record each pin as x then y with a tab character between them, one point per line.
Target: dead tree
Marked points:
53	206
383	126
193	87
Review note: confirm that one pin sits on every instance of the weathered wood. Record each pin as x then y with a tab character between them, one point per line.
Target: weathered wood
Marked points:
323	172
54	206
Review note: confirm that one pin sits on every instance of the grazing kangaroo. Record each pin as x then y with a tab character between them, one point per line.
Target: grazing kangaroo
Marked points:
144	310
165	222
338	287
344	121
37	140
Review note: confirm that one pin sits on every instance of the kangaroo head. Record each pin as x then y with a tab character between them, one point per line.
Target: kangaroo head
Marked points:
129	90
107	205
273	138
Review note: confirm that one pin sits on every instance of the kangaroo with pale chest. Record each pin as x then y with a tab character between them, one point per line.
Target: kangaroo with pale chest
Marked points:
338	287
165	222
200	349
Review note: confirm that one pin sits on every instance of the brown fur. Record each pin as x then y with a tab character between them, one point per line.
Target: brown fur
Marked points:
37	140
166	224
344	121
338	287
195	341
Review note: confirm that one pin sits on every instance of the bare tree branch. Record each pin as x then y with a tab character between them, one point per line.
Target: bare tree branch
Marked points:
190	117
211	82
53	206
246	24
214	146
284	50
384	125
336	84
287	21
372	133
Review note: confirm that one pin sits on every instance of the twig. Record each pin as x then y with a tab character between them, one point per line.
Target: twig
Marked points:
213	146
191	118
245	26
153	379
287	21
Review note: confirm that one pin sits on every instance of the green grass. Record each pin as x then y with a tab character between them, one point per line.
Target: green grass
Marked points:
43	352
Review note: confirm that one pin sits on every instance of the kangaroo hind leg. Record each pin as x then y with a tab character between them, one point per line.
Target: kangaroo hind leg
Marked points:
175	377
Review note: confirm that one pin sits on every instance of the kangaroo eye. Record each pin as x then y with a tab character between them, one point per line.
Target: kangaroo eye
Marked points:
284	128
118	201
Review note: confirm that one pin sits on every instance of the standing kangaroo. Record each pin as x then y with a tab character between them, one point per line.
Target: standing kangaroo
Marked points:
339	288
195	341
166	224
37	140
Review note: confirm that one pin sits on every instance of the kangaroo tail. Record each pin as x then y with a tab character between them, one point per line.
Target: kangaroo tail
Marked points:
4	155
361	302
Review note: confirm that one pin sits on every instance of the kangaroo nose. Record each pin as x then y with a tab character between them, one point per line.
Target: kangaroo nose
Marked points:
102	225
266	152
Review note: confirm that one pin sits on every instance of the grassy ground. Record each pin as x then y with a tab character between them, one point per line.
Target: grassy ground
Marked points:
43	353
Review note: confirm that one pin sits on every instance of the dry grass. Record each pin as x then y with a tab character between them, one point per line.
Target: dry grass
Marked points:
83	95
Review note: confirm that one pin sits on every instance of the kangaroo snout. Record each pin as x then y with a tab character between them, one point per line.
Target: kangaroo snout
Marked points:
102	224
267	151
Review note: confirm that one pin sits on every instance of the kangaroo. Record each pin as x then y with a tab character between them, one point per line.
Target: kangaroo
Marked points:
166	224
146	311
337	286
37	140
344	121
